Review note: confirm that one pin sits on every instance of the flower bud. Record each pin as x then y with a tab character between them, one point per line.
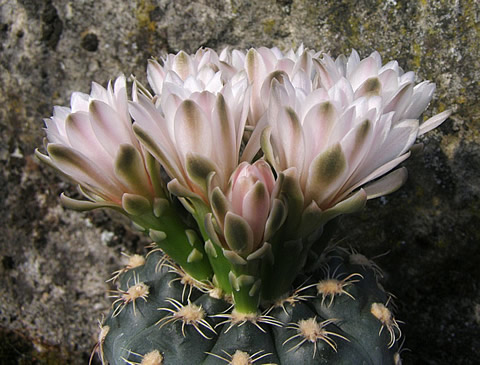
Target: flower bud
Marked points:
242	213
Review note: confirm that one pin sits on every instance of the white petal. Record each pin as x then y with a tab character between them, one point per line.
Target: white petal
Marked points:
82	138
155	76
79	102
224	136
193	132
182	65
289	141
108	126
400	101
387	184
85	171
317	126
433	122
365	69
390	165
422	95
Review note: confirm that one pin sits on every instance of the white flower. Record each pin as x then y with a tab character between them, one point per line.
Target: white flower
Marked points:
195	124
353	123
369	77
93	143
197	72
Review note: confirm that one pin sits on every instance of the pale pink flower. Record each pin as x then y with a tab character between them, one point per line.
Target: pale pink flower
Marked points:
370	77
354	123
197	72
92	142
195	124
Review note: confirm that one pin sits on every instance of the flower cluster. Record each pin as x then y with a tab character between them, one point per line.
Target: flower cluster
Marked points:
261	147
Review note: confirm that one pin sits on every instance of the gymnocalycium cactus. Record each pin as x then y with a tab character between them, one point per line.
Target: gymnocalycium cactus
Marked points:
233	164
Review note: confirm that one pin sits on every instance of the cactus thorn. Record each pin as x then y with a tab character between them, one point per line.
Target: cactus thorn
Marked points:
187	281
163	261
356	258
332	287
239	319
133	262
311	330
137	290
151	358
241	357
189	314
98	348
294	298
384	315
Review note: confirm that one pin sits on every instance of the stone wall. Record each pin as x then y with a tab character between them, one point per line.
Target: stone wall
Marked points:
53	262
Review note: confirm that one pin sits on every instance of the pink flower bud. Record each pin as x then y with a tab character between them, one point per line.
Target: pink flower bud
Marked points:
250	192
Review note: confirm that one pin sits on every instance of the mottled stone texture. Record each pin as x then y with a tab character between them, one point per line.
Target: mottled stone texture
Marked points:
53	262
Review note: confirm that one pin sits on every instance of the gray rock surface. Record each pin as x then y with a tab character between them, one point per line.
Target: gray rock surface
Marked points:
53	262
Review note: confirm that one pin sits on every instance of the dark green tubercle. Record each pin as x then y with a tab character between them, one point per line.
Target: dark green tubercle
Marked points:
338	314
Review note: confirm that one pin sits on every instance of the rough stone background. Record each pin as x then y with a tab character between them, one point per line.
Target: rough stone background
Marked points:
53	262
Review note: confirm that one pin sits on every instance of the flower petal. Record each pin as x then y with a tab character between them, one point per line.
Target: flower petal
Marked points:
193	132
84	171
108	127
433	122
130	169
387	184
326	172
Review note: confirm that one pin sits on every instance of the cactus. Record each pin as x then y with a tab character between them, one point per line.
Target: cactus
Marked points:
338	314
235	165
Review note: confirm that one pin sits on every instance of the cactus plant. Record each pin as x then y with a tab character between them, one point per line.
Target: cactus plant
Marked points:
338	314
235	165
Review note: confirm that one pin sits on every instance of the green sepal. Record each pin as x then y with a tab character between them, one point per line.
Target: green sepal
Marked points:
277	217
157	236
265	142
135	205
160	205
291	192
219	264
154	171
234	258
265	251
85	205
238	234
211	229
194	256
245	280
192	237
210	249
255	288
220	204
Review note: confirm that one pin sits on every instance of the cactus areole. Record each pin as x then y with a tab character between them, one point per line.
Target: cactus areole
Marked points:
234	164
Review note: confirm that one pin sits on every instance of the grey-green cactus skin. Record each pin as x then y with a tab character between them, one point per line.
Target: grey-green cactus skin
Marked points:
351	329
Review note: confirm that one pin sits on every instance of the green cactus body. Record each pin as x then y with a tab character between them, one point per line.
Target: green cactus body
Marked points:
338	315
